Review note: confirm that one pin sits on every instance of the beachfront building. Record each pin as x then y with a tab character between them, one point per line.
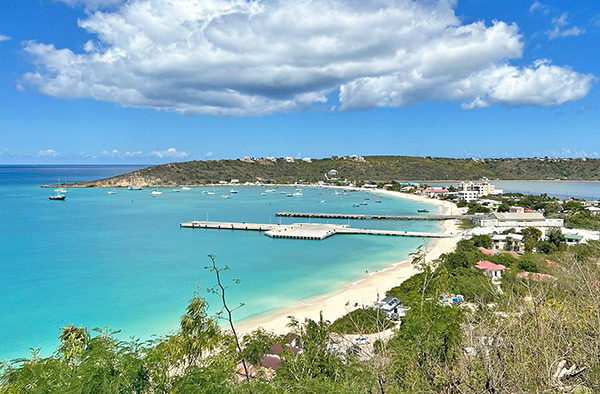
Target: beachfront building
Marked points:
436	192
515	220
392	307
468	195
490	269
480	188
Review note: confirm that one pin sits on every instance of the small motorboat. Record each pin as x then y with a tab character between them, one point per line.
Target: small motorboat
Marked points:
378	201
263	194
111	191
270	190
224	196
233	191
297	194
58	197
355	205
289	195
210	193
364	203
175	191
322	201
186	188
156	192
423	210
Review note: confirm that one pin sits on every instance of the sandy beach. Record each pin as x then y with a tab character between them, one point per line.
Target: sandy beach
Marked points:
363	291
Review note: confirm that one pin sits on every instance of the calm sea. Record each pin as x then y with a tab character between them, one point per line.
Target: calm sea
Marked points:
121	260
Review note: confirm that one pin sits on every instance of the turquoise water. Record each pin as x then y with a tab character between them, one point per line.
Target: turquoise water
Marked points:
122	260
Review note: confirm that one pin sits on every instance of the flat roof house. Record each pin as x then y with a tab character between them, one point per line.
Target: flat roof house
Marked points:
526	219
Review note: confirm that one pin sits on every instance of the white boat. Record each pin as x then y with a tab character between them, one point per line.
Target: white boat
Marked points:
156	192
336	193
225	196
289	195
322	201
175	191
134	188
355	205
297	194
270	190
210	193
61	190
186	188
111	191
233	191
263	194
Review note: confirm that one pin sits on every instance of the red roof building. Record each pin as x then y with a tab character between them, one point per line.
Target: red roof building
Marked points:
490	269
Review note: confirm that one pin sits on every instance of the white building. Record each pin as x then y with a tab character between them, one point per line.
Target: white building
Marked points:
289	159
594	210
509	220
482	188
500	240
490	269
468	195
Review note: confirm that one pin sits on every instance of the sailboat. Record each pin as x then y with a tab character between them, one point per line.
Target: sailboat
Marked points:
111	191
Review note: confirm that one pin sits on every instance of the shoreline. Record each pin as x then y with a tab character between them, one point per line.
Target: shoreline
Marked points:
362	291
92	184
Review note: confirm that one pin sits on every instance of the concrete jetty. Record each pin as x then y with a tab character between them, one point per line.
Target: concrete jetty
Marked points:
322	215
316	231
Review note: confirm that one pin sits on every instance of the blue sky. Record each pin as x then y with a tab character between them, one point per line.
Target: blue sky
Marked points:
107	81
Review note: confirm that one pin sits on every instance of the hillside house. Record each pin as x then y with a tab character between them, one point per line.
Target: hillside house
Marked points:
490	269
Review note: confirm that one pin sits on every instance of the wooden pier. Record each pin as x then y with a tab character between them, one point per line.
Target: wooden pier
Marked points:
315	231
322	215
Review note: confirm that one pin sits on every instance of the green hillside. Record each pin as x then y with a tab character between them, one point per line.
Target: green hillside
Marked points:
369	169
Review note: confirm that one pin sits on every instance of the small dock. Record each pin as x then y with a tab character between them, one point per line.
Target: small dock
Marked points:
321	215
315	231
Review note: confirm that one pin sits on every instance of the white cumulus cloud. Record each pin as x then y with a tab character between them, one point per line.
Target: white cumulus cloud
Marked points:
47	153
4	38
171	153
239	57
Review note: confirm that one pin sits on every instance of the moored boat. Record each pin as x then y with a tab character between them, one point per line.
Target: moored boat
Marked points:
58	197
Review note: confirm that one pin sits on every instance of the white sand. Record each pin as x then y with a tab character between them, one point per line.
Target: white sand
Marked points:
363	291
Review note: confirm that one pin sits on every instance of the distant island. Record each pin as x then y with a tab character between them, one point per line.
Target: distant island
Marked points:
353	169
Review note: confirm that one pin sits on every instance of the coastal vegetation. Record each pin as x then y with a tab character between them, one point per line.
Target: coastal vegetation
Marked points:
376	169
574	212
522	334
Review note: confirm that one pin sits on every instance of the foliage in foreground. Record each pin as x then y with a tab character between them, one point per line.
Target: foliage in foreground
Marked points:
511	341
